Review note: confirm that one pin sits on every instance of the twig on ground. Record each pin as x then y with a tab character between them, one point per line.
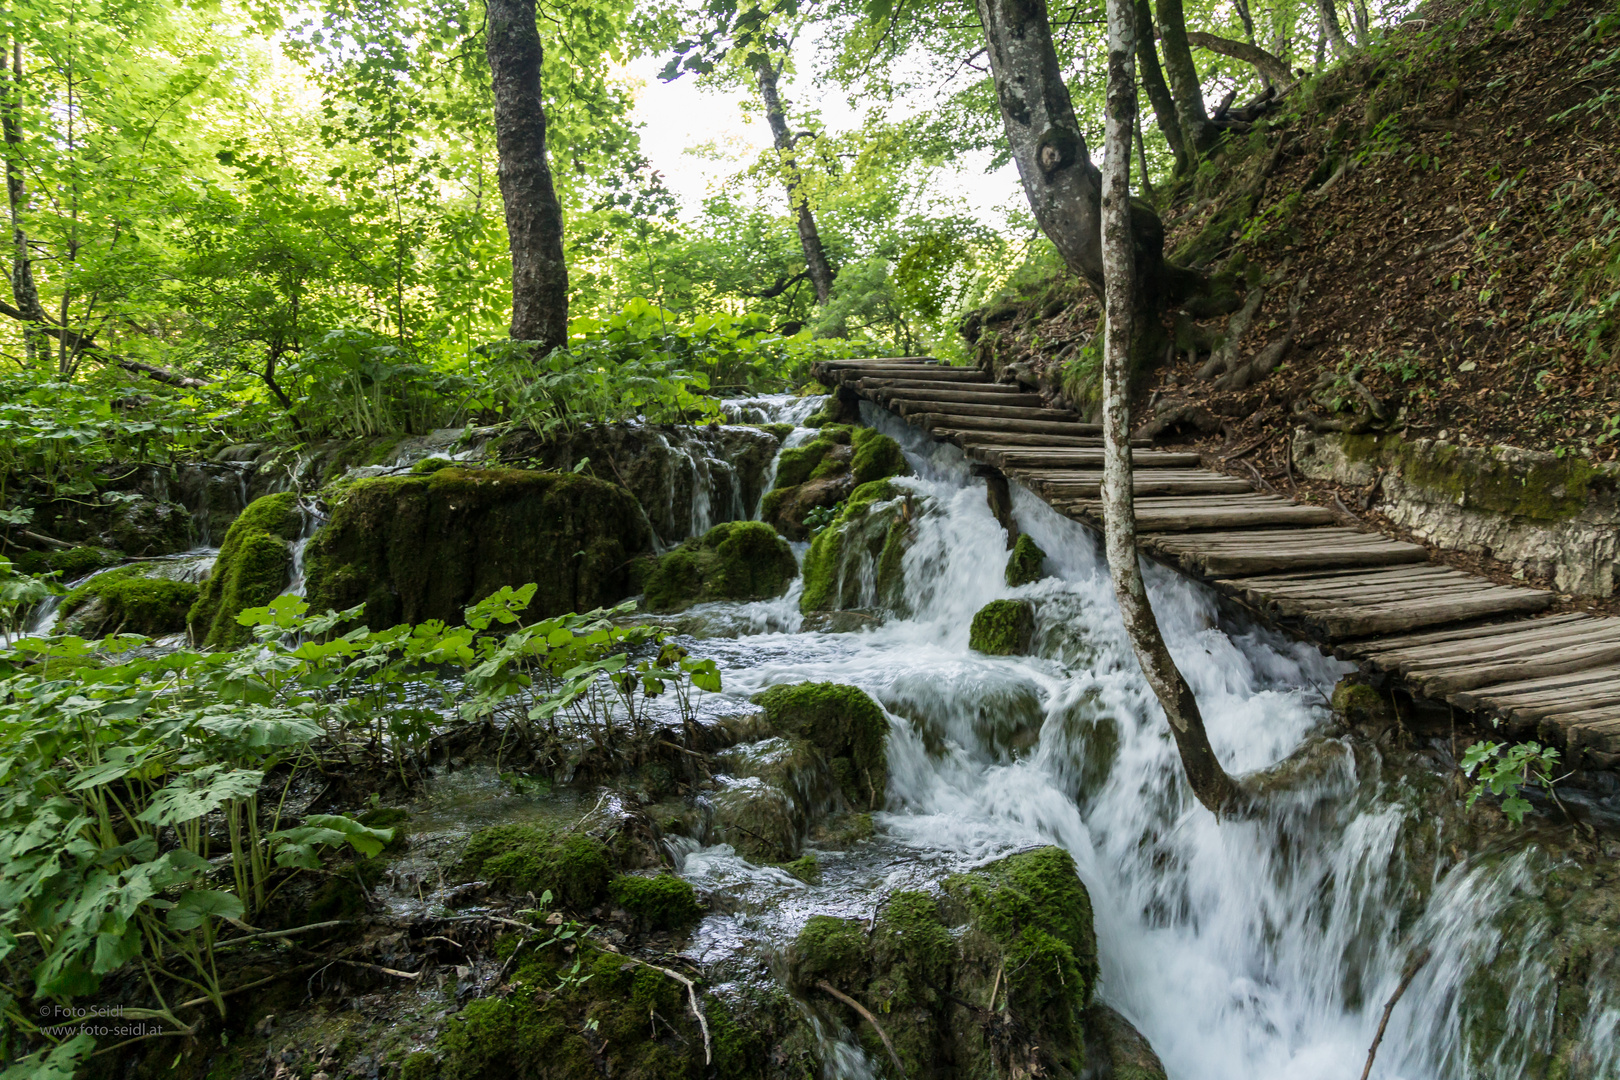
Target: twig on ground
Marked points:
866	1014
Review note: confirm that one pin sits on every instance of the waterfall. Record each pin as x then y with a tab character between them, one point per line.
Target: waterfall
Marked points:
1243	950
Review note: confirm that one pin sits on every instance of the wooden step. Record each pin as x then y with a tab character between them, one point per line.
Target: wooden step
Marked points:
1399	616
909	409
1154	519
964	422
878	387
962	397
1080	457
975	443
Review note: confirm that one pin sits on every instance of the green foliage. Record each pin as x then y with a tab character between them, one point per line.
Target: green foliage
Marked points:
664	902
1506	769
1003	628
20	594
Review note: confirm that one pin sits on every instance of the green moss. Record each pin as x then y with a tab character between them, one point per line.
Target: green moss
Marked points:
665	902
829	948
854	533
1003	628
128	602
738	560
1024	565
1034	907
806	867
780	431
843	724
78	561
522	859
877	457
795	464
252	569
424	547
432	465
421	1065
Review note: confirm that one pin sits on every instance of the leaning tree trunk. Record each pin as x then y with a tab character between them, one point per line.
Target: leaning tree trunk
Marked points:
815	256
1328	11
1164	105
534	226
1209	781
1196	128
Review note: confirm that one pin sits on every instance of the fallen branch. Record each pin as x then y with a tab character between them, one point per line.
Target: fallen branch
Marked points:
1444	245
1411	971
1267	64
866	1014
692	996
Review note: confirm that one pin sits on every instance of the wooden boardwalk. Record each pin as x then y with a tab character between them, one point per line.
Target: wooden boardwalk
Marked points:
1444	634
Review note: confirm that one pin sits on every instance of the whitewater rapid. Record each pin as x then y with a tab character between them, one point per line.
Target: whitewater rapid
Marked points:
1243	950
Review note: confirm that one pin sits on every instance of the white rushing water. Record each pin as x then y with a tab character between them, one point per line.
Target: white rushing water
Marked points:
1243	950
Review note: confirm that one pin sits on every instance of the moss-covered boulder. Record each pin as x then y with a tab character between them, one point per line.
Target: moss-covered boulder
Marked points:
823	471
845	726
412	548
1025	564
661	902
254	565
1003	628
991	979
67	563
855	561
738	560
127	600
773	791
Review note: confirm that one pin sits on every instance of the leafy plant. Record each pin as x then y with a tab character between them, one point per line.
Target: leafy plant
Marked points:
1506	769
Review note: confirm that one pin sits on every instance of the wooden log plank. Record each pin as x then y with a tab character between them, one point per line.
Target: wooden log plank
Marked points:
1315	607
964	422
1167	520
1392	618
1408	642
955	409
1079	457
1598	729
879	361
982	385
1358	587
966	397
1483	650
1330	579
1147	483
1606	698
976	443
1565	661
1541	684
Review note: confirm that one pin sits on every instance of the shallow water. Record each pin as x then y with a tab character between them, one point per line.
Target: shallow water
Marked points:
1243	950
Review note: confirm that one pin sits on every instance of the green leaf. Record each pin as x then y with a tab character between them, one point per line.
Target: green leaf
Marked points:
194	908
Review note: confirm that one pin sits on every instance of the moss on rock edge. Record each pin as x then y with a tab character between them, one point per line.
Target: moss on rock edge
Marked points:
1003	628
413	548
845	725
737	560
252	569
864	529
1024	565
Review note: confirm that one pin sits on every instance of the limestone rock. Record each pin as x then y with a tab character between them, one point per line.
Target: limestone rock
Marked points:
740	560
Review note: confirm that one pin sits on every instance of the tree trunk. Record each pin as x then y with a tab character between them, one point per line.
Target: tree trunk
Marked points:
1271	68
534	225
1209	781
815	256
1329	14
1164	106
23	287
1201	135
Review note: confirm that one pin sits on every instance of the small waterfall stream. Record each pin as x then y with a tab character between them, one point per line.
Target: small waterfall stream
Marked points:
1244	950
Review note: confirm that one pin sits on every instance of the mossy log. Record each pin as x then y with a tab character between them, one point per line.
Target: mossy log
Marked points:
413	548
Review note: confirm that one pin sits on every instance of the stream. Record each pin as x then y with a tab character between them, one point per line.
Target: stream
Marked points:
1243	950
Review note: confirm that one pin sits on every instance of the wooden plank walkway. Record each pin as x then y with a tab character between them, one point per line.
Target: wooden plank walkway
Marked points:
1445	634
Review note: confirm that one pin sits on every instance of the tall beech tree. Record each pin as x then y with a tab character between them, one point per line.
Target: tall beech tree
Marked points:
534	225
1116	245
766	73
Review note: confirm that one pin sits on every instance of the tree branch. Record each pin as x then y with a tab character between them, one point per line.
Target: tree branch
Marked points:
1264	62
82	343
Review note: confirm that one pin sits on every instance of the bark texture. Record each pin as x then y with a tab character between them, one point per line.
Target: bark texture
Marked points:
1209	781
534	226
1158	91
1201	135
1271	68
1331	29
815	256
23	288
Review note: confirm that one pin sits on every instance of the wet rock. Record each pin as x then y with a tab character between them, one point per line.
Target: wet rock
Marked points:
741	560
1026	563
822	472
855	562
413	548
845	726
129	600
990	979
254	566
1362	705
1003	628
762	821
1118	1051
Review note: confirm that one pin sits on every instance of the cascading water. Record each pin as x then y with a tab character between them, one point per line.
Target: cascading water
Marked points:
1242	949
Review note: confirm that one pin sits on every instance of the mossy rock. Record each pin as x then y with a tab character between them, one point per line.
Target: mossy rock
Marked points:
846	726
806	868
68	564
144	527
664	902
413	548
738	560
1012	940
856	561
254	565
877	457
127	601
1024	565
1361	704
522	859
1003	628
820	473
